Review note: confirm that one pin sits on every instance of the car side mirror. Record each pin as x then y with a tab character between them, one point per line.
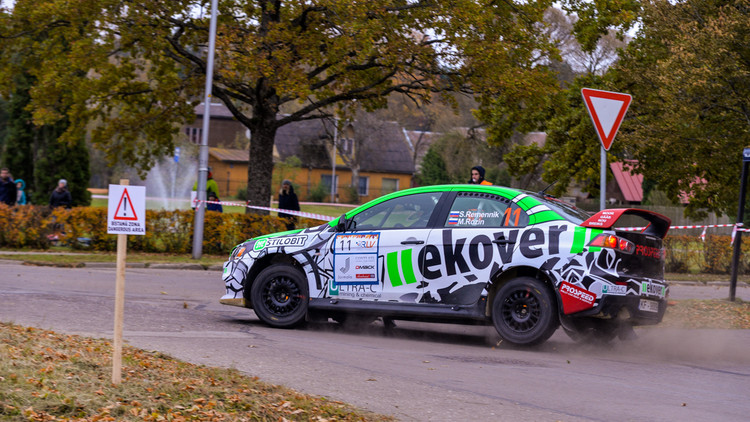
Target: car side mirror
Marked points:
343	223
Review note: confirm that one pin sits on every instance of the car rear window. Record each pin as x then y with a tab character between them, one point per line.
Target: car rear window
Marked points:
566	210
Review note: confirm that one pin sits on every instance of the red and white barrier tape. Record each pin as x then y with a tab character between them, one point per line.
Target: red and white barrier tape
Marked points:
322	217
297	213
689	227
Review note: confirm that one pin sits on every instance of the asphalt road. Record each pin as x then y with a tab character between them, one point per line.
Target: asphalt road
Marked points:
413	372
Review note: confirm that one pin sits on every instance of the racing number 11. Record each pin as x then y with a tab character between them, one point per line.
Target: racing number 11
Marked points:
508	213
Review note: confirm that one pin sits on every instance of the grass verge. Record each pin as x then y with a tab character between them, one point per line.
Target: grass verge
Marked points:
712	313
72	259
49	376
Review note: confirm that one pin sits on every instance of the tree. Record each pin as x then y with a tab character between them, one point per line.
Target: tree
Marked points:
137	67
433	170
690	118
34	153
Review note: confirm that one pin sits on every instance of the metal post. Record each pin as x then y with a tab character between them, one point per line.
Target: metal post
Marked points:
333	165
603	180
200	209
738	235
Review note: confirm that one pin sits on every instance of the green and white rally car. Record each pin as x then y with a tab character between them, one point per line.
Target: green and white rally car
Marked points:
524	262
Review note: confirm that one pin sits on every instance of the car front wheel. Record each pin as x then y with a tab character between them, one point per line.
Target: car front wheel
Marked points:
280	296
524	312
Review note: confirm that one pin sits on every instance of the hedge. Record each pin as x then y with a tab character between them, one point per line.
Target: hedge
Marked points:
38	227
31	226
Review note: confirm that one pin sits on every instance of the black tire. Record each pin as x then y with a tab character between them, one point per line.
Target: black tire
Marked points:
524	312
280	296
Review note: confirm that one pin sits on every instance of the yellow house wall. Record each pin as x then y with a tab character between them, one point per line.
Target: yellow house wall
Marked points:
231	177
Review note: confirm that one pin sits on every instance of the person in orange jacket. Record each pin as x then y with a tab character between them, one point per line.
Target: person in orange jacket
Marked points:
477	176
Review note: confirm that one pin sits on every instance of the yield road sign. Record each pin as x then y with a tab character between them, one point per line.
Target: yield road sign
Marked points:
607	110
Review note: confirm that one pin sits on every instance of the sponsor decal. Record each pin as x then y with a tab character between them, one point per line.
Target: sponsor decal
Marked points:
652	289
360	291
356	258
649	251
356	243
614	289
259	244
574	298
271	242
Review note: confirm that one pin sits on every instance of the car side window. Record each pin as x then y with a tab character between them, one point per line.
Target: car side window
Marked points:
475	209
410	211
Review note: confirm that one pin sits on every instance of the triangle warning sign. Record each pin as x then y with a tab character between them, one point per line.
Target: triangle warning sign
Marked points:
607	109
125	210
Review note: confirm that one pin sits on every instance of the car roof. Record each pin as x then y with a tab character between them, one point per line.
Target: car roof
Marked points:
539	208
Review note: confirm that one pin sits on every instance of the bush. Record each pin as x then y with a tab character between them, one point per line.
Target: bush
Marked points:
319	193
166	231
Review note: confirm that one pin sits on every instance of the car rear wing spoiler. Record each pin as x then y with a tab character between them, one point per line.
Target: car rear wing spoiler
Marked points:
605	219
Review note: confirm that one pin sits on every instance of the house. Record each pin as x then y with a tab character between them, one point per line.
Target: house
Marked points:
372	157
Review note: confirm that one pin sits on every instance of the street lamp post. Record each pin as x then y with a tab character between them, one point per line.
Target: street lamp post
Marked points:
200	209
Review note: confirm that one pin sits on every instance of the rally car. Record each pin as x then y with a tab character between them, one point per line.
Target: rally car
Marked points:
524	262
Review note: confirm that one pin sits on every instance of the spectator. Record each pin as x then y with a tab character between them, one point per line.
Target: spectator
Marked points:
477	176
7	187
213	207
288	201
60	196
21	196
211	185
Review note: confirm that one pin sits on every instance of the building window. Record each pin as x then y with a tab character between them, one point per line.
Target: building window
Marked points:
389	185
364	185
194	134
325	180
347	146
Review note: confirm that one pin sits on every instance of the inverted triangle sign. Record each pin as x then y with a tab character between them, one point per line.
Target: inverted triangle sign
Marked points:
607	110
125	210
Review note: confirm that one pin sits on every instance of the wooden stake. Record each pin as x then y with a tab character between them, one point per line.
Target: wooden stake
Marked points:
122	248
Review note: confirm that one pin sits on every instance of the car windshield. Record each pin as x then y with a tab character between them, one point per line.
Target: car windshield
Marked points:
571	213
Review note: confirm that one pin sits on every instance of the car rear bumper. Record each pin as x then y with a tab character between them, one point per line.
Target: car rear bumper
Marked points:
628	309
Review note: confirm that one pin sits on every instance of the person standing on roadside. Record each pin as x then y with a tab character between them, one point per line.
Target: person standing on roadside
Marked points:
21	196
477	176
8	191
61	195
288	201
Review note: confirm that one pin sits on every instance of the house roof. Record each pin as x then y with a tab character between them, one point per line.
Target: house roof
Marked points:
218	111
229	155
631	185
386	147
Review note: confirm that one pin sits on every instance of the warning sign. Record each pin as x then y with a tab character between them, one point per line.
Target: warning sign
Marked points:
126	213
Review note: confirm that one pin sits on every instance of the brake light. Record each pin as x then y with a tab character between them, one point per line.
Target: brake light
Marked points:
613	242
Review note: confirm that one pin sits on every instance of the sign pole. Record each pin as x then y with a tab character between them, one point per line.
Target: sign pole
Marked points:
740	217
607	109
603	180
122	248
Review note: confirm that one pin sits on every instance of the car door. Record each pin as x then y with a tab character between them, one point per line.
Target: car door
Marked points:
377	257
474	240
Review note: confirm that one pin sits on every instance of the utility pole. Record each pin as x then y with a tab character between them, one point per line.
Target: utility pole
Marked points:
200	209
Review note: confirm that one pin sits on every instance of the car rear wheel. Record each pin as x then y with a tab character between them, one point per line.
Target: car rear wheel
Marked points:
280	296
524	312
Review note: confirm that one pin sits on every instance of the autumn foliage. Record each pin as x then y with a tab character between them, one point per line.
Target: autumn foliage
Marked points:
46	376
166	231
